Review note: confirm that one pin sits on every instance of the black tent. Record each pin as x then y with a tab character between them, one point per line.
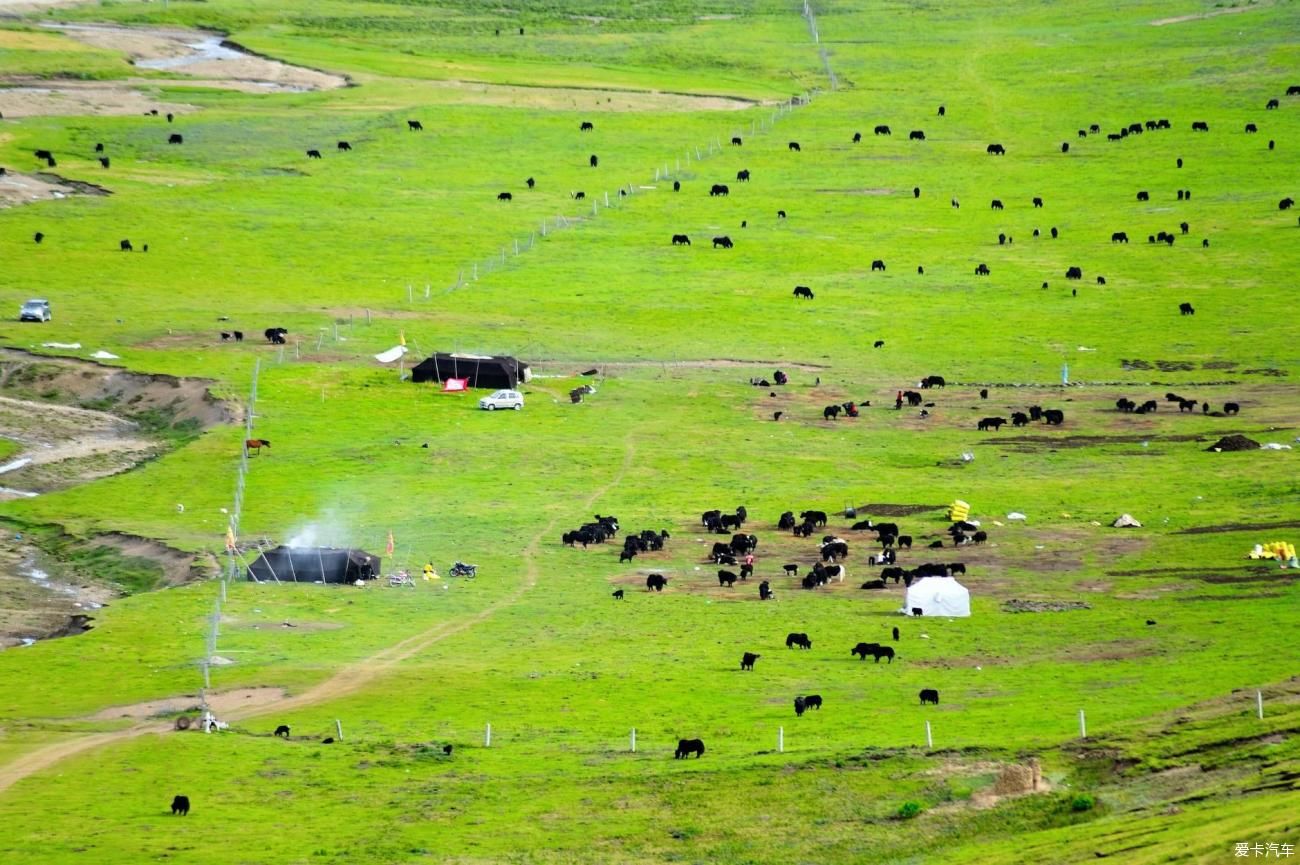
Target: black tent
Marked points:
485	372
313	565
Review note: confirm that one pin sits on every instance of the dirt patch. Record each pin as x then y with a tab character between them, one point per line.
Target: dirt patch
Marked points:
200	54
178	566
41	98
874	191
1240	527
603	99
17	188
1213	13
34	605
221	704
1119	650
884	510
103	387
1015	605
1031	444
574	367
1244	597
292	627
1255	574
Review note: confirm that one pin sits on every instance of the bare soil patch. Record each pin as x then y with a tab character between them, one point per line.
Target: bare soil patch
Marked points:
199	54
872	191
1240	527
197	58
221	704
1255	574
1016	605
604	99
758	367
875	509
1181	19
18	188
27	97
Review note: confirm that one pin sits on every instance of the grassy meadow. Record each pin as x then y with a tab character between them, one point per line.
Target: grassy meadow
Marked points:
360	249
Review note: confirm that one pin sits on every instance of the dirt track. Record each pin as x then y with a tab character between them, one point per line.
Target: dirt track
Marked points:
346	681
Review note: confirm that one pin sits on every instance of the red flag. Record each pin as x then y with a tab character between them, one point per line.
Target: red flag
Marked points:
389	548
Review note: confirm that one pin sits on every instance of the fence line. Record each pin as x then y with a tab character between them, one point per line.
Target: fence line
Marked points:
627	190
664	740
817	40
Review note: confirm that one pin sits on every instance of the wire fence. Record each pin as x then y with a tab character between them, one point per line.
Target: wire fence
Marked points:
672	170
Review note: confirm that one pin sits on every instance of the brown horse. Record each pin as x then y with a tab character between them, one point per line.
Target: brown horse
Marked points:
255	445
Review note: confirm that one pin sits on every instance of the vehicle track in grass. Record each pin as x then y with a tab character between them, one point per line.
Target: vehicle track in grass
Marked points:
346	681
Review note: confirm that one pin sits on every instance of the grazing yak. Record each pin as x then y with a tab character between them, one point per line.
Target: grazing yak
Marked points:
996	150
990	423
916	135
723	241
180	805
687	747
800	640
655	583
864	649
681	240
617	595
803	291
719	189
802	704
743	175
882	130
929	695
747	660
282	730
414	126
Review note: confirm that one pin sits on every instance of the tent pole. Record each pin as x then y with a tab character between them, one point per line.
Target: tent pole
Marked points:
292	569
320	560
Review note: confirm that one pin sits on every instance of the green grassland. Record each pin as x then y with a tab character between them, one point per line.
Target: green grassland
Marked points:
241	225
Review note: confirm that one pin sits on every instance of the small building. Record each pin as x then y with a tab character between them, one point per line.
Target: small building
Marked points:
313	565
495	373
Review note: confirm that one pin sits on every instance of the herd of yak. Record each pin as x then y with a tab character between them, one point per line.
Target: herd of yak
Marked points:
739	552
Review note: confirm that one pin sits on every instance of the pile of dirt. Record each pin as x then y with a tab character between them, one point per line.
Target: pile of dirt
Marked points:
1015	605
1234	443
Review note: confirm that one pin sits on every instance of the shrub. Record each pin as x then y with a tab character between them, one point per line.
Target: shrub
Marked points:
1082	802
909	810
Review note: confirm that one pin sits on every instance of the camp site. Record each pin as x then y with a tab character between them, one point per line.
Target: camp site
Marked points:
730	432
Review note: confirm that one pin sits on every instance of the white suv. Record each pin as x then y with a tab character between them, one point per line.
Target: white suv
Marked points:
502	399
35	310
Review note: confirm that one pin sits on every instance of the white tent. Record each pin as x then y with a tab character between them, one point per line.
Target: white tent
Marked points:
938	596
